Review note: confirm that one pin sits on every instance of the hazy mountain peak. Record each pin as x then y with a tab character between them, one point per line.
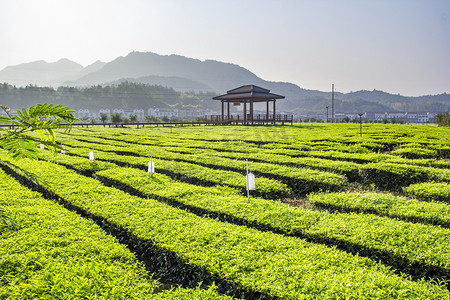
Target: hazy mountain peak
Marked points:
40	72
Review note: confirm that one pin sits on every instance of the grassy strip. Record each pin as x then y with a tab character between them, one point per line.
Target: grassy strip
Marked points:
278	266
387	205
430	191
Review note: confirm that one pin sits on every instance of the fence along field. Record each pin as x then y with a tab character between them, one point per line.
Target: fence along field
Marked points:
333	214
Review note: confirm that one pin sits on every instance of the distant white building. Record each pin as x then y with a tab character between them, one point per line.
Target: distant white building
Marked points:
139	113
104	111
83	114
119	111
163	112
423	118
396	115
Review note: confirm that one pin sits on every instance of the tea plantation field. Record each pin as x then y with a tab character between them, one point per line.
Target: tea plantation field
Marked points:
333	215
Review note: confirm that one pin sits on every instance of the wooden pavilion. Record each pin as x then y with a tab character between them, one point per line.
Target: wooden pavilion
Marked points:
247	95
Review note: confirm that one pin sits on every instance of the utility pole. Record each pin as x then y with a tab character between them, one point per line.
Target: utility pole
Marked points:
332	103
327	114
360	124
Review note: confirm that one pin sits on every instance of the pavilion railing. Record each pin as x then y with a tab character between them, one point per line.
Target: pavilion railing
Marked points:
256	118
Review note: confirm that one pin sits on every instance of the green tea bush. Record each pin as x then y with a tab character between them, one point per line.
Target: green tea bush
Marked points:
415	153
430	191
275	265
58	254
387	205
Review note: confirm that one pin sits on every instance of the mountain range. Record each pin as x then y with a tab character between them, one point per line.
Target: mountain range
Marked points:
188	74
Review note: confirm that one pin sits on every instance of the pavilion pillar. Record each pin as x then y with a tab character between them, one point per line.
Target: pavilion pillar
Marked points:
245	111
274	111
222	109
251	111
267	110
228	110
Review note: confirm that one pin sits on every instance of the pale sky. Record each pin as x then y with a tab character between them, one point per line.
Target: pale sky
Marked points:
399	46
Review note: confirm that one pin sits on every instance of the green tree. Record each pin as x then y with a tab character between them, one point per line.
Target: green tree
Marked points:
133	119
443	119
116	118
103	117
151	119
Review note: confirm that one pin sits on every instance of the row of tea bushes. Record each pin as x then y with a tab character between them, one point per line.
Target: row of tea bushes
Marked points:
299	180
56	254
388	205
193	173
280	217
430	191
332	154
384	175
391	176
349	169
371	234
83	165
275	265
415	152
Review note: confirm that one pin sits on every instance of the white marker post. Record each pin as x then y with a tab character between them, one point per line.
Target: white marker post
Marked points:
41	146
91	154
250	178
63	148
151	165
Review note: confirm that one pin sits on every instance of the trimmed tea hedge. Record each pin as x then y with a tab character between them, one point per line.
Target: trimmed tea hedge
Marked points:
430	191
387	205
275	265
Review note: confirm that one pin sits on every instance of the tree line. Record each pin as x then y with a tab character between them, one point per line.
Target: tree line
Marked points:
128	95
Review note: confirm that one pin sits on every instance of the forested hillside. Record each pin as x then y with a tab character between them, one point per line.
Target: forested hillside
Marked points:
124	95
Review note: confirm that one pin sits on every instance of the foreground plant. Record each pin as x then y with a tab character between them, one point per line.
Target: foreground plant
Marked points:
40	118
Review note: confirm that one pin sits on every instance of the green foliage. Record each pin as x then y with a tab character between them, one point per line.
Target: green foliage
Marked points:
430	191
415	153
116	118
133	119
443	119
151	119
98	97
276	265
5	220
42	119
54	246
103	117
390	176
389	205
332	250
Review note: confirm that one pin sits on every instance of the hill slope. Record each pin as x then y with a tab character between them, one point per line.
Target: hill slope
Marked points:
188	74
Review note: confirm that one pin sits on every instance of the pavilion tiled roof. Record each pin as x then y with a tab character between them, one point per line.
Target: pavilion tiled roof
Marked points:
248	92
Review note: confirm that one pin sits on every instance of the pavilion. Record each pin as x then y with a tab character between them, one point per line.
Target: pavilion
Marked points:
247	95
